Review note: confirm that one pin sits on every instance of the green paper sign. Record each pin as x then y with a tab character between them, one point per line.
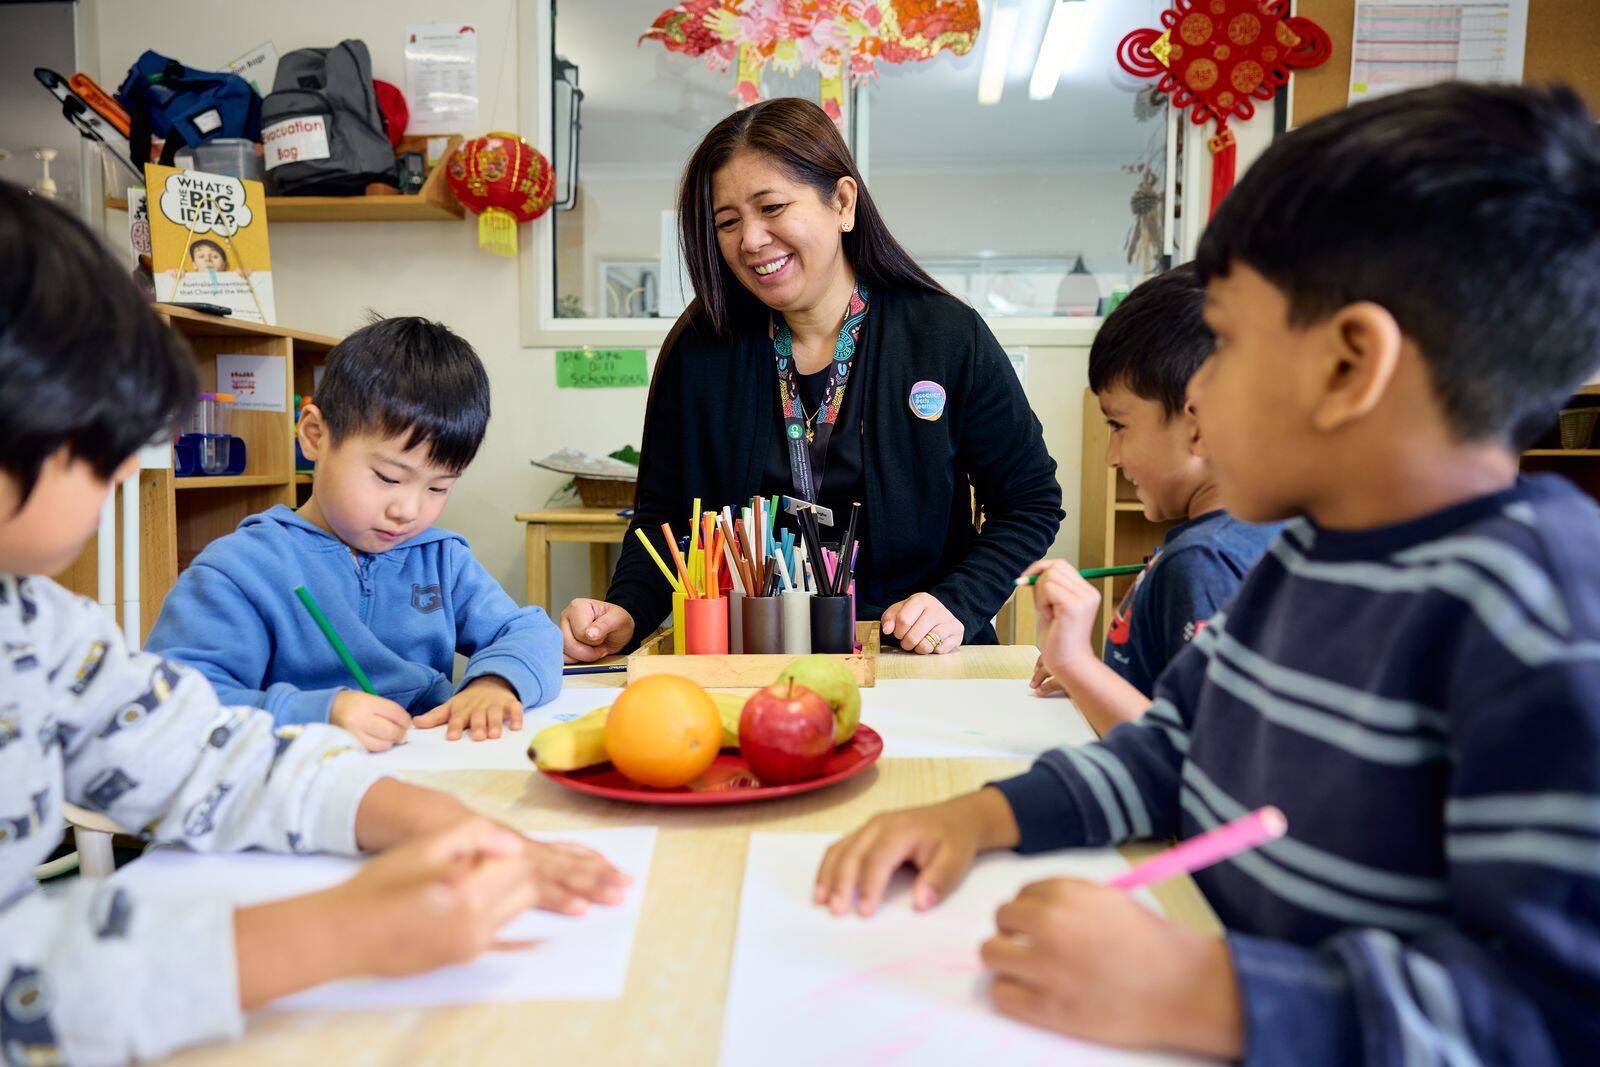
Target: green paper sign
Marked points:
600	368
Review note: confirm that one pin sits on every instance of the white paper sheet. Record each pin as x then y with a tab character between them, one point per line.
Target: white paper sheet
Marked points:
984	719
427	750
969	720
442	77
899	988
259	383
576	959
1402	44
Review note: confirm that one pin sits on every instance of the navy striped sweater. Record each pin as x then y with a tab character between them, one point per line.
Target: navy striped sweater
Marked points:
1423	702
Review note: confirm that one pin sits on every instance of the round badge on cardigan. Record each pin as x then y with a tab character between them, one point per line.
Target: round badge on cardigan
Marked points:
927	400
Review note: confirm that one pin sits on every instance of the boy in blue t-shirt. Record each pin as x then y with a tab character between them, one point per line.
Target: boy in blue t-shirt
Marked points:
1403	295
1139	369
399	413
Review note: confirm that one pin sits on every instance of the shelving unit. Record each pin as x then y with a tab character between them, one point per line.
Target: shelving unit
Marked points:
180	516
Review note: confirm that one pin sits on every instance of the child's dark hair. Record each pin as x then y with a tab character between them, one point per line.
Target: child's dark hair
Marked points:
1470	212
84	361
1155	340
411	377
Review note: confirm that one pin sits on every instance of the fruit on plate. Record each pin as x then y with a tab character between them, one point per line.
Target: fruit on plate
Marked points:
580	743
829	678
569	746
786	733
663	731
729	706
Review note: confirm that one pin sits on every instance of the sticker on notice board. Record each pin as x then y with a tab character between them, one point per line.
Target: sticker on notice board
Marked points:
601	368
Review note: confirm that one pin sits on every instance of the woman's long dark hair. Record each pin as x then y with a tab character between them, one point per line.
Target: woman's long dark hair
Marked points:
799	137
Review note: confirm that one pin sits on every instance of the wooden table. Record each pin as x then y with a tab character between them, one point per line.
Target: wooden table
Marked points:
598	527
671	1009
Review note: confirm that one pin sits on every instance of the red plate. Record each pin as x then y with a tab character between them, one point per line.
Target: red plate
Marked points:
728	781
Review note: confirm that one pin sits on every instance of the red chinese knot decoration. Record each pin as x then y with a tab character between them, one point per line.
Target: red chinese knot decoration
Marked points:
503	180
1217	57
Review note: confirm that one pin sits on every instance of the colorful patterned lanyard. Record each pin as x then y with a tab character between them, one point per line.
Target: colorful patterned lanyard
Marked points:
808	444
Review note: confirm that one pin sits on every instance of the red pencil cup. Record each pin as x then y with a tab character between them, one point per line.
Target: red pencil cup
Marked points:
706	623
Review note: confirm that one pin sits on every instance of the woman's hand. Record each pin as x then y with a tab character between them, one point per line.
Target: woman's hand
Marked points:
593	629
923	625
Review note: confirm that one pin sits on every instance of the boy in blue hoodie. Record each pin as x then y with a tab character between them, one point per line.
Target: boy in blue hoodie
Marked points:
400	412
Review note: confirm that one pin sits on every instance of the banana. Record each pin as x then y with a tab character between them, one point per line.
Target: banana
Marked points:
571	746
729	706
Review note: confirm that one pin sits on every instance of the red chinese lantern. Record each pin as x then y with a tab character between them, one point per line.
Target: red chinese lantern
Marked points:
503	180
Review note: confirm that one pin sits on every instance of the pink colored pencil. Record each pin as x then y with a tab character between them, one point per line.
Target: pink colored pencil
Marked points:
1213	846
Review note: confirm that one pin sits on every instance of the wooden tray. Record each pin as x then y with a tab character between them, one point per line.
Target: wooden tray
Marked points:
745	672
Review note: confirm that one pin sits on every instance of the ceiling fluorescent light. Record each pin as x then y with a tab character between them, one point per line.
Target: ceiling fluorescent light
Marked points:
997	54
1062	37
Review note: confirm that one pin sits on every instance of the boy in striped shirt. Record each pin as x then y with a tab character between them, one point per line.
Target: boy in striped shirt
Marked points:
1402	293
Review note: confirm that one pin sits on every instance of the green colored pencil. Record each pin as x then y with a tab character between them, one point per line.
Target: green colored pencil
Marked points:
1091	573
333	638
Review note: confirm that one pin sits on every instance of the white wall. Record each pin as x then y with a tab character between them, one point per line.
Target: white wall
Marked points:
327	274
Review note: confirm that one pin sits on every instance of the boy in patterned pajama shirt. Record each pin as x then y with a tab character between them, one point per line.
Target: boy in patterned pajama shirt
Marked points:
96	973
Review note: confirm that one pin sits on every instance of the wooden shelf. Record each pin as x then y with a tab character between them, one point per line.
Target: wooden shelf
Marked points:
348	209
435	203
1555	452
1129	505
302	477
227	481
199	324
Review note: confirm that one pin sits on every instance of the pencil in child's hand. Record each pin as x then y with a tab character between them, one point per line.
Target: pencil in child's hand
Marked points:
315	611
1090	573
1213	846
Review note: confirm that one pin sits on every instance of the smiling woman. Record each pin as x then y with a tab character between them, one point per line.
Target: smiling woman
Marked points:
818	361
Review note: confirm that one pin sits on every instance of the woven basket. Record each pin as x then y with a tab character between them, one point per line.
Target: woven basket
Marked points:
1577	427
604	493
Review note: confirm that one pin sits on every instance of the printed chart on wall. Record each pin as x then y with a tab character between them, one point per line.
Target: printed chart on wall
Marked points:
208	241
1401	45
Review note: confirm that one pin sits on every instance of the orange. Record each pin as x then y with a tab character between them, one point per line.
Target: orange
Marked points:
663	731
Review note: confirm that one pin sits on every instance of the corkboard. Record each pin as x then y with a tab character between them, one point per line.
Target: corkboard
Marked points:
1561	47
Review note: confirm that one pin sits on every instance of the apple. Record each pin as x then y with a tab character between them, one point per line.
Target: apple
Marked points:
786	733
831	679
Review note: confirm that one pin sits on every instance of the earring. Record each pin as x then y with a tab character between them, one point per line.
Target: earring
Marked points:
846	228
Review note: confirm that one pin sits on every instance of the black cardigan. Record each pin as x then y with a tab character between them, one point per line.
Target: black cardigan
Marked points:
714	405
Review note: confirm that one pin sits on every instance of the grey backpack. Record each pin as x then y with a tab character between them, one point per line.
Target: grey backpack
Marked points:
321	129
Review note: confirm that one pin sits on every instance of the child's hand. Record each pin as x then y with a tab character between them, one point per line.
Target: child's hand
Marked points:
375	721
481	706
450	892
1090	961
1044	683
567	878
940	840
1069	608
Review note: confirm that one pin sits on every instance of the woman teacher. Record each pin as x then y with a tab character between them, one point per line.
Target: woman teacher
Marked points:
819	361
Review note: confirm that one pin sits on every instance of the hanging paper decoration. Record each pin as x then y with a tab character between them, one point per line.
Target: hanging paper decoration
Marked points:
1217	57
839	38
503	180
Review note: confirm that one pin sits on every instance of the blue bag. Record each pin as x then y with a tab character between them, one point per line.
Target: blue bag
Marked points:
185	106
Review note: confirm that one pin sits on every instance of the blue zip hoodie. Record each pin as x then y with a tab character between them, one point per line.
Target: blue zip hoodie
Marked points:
234	617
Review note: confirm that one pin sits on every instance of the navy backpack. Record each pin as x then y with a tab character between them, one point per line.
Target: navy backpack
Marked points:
185	106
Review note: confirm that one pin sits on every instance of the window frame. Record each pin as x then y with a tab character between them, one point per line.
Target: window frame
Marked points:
540	328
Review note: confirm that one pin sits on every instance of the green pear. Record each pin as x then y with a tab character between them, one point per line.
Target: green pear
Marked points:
829	678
